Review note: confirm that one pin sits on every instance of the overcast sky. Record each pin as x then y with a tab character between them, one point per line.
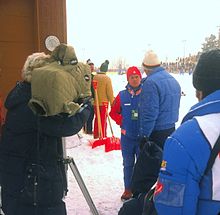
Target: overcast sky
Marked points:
113	29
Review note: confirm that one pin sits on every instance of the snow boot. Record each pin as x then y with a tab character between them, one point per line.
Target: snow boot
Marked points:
126	195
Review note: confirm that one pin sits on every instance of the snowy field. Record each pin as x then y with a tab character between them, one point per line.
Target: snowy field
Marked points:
102	172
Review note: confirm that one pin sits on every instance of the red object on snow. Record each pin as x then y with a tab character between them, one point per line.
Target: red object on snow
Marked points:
99	142
112	143
102	140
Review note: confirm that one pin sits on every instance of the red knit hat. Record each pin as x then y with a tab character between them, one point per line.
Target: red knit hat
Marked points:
133	70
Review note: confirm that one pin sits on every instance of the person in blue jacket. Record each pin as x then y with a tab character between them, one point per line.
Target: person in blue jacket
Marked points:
124	112
160	100
33	178
181	188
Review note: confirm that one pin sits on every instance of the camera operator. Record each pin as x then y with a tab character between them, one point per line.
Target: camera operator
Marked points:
31	154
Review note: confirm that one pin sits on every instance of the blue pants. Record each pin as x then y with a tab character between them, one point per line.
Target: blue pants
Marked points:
130	152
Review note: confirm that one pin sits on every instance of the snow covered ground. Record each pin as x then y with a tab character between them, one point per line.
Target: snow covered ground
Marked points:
102	172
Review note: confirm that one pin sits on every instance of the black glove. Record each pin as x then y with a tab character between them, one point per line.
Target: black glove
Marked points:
83	101
86	105
152	150
143	140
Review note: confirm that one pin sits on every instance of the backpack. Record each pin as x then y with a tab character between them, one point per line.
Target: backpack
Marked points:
142	181
149	208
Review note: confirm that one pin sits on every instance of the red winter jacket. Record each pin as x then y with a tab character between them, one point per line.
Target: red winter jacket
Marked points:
123	108
115	112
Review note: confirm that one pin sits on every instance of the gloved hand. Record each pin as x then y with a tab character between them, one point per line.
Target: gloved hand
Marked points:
152	150
83	101
86	105
142	141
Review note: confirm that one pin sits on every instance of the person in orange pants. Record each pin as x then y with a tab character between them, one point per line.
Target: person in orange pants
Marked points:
105	96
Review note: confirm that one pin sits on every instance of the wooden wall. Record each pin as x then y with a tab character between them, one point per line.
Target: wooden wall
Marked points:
24	26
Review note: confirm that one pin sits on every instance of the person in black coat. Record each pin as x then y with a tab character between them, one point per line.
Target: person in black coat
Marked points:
32	170
88	127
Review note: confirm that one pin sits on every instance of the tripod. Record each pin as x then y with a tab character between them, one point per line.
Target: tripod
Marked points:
1	213
78	177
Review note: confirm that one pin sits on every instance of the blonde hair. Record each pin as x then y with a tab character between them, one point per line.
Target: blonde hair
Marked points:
33	61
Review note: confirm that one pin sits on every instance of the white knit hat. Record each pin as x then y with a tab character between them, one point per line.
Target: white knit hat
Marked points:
150	60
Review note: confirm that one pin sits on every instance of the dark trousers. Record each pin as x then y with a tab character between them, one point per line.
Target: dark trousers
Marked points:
159	137
144	176
145	172
88	127
147	167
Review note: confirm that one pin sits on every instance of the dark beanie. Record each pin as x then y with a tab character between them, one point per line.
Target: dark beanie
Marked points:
206	75
89	62
104	66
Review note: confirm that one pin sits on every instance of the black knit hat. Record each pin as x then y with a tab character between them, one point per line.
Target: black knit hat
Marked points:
104	66
206	75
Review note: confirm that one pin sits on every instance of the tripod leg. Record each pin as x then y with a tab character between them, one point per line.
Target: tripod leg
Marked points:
82	186
1	213
65	164
64	152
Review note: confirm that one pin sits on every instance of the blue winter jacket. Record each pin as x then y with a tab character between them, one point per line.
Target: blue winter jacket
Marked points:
129	100
181	188
160	100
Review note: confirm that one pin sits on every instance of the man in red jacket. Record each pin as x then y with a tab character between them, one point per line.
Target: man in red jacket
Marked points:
124	112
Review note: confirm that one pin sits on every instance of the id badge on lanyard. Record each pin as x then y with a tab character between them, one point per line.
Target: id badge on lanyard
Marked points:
134	115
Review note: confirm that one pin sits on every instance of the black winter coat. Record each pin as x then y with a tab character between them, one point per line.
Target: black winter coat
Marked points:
31	168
